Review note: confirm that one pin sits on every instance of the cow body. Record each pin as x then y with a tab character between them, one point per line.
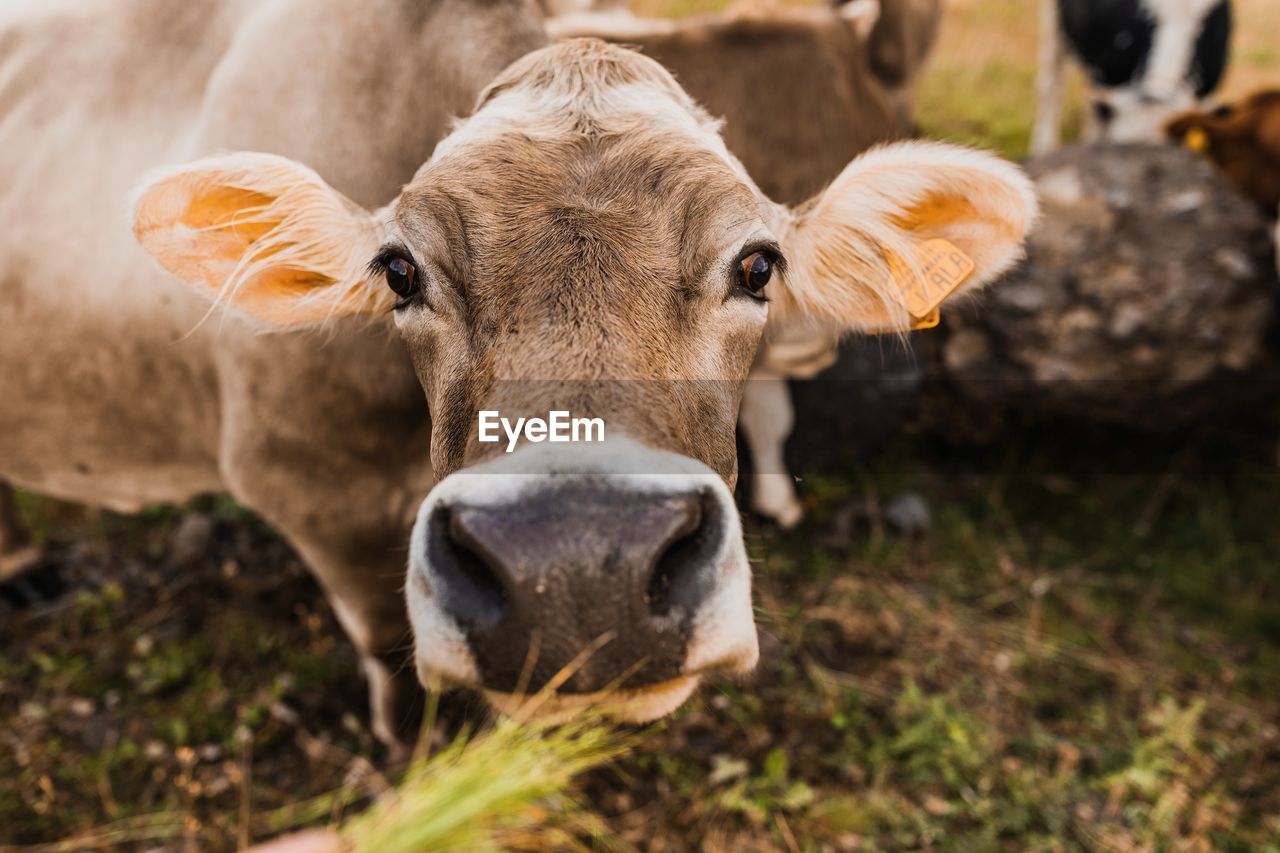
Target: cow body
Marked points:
359	281
1146	59
119	389
801	91
1243	139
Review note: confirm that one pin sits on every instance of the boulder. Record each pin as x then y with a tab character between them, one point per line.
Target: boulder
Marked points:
1145	301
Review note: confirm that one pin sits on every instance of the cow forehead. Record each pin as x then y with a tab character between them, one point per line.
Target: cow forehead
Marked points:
601	232
583	89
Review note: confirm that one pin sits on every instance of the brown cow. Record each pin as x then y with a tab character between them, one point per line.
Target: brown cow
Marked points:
1243	140
584	241
801	90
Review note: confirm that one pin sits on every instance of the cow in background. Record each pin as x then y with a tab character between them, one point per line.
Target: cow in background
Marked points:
1146	60
1243	140
801	91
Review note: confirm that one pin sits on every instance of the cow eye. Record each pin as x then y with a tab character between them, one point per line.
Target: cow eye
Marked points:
401	277
754	271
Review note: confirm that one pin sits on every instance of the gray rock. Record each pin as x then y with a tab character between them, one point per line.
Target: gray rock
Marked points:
192	539
909	514
1148	288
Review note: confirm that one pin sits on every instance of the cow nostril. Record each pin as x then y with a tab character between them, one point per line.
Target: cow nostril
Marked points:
682	574
469	587
1104	111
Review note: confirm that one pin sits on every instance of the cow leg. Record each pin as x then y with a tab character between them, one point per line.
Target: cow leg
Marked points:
766	417
1046	135
357	554
314	452
368	600
17	554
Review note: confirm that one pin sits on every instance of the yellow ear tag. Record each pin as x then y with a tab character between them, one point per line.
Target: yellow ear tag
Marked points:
941	269
1196	140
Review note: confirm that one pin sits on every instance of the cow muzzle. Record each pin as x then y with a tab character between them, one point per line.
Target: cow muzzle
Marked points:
609	575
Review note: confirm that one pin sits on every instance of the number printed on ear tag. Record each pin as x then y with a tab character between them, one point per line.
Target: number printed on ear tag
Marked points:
940	268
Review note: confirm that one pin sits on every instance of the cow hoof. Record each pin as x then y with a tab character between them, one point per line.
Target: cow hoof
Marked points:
15	564
774	497
25	580
785	516
789	516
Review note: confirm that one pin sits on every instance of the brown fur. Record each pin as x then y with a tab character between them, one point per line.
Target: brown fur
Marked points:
1244	141
207	405
800	93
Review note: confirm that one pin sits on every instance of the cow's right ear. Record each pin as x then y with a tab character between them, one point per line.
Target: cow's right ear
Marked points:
263	234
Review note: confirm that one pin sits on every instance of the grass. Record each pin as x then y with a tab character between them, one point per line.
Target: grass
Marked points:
1068	659
503	789
1003	681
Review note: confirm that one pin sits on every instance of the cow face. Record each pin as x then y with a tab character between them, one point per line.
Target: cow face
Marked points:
1147	59
585	243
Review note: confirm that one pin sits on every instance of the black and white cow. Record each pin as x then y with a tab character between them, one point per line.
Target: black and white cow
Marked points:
1146	59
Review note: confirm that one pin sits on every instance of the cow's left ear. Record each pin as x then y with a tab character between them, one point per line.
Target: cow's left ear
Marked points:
902	229
263	234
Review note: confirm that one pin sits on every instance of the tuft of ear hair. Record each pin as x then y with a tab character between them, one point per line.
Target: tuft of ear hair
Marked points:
262	234
863	253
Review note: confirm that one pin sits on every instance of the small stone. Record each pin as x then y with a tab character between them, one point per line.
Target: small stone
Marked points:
32	712
1126	320
1062	186
1184	202
1026	296
1235	263
283	713
909	513
964	349
191	540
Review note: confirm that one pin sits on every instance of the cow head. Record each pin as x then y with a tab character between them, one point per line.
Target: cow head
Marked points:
1147	60
1243	140
584	242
